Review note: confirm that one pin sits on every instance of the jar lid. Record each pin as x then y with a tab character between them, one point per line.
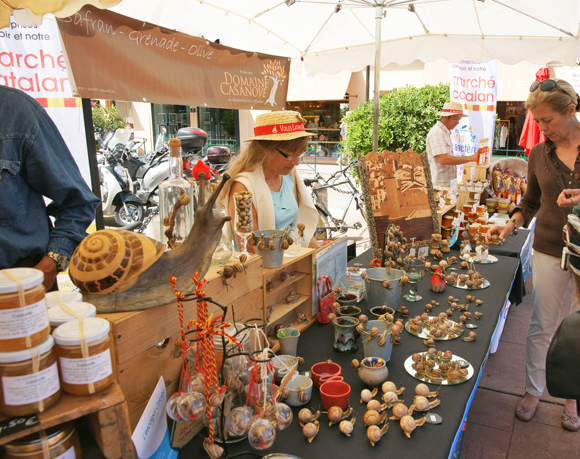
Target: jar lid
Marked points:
67	296
26	354
32	443
29	277
67	334
57	316
447	217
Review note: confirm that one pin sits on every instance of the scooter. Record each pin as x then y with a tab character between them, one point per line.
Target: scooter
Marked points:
116	192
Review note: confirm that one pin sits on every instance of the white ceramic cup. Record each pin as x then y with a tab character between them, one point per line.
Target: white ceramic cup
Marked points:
296	383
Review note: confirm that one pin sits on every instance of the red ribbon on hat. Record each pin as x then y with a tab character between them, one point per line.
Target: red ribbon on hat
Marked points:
278	129
449	110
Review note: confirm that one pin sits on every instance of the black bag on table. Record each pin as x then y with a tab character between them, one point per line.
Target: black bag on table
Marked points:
563	360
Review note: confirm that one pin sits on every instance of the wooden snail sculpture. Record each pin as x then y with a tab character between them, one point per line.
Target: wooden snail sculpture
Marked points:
119	271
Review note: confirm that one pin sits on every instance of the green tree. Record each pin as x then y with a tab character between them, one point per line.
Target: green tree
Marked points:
105	118
405	117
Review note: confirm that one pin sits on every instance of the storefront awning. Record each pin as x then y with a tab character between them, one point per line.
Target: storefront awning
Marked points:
111	56
319	87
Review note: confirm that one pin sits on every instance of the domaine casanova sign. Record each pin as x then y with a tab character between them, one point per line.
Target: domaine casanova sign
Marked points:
111	56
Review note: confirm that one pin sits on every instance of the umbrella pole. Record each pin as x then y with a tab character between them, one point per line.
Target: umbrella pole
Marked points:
378	18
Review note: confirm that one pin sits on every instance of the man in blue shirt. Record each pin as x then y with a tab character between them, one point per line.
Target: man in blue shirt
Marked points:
35	163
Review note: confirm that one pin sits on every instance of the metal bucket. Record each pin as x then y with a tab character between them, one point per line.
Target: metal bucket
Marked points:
372	348
272	258
377	295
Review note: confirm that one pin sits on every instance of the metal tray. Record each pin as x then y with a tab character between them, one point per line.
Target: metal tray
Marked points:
464	287
423	333
490	259
445	382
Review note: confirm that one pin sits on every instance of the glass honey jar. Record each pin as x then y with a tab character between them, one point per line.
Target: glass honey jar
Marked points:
58	316
447	221
25	391
80	375
22	325
62	441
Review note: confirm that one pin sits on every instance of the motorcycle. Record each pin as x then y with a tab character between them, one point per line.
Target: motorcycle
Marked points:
116	192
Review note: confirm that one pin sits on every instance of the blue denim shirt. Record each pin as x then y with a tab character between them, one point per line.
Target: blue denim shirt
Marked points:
35	162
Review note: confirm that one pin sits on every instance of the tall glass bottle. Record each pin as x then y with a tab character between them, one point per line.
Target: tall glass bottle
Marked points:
175	201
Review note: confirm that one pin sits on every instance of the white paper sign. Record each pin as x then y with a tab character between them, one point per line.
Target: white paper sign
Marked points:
85	371
22	322
23	390
474	85
69	454
151	436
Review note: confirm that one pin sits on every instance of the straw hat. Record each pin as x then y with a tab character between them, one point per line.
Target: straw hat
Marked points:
279	125
452	108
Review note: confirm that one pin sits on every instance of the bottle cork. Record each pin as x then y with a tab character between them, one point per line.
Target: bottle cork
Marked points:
175	147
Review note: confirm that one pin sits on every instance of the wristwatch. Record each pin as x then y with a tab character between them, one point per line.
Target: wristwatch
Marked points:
60	260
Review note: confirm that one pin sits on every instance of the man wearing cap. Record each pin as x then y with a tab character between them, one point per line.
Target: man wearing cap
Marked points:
440	148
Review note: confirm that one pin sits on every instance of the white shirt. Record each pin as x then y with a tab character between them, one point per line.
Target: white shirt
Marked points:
439	143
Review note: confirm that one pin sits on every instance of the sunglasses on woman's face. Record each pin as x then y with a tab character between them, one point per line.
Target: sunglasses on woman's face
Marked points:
547	86
290	157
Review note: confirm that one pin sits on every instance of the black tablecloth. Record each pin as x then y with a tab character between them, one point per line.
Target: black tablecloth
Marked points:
511	247
433	441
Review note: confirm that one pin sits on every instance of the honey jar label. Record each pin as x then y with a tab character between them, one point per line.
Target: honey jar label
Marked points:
23	322
24	390
85	371
68	454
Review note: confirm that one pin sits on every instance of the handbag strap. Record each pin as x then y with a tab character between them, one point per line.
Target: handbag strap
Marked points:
326	286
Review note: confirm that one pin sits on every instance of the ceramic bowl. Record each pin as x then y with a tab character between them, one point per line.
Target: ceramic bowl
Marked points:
378	311
326	369
283	364
299	382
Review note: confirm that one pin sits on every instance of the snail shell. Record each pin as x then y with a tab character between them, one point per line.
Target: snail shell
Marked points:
399	410
408	424
422	390
310	430
305	416
335	414
346	427
421	403
366	396
363	319
373	417
109	261
374	434
374	405
390	386
390	398
284	245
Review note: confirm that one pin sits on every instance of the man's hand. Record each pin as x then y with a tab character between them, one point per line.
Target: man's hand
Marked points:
48	267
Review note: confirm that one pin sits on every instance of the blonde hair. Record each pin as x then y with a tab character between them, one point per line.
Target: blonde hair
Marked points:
557	101
259	152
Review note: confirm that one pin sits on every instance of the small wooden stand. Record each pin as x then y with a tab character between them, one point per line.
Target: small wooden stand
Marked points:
282	312
107	417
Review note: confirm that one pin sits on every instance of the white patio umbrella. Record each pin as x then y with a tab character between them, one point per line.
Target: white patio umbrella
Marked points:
325	36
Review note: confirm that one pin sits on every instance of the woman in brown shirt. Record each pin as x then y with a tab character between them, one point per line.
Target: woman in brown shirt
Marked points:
554	166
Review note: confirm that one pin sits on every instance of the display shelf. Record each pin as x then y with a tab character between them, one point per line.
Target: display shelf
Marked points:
281	284
107	416
282	309
301	285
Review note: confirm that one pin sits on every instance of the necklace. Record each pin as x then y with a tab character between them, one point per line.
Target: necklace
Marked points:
275	183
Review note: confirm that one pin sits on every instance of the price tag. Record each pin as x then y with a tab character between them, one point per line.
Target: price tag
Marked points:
433	418
16	424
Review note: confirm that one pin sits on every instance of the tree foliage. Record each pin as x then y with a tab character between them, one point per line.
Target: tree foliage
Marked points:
105	118
405	117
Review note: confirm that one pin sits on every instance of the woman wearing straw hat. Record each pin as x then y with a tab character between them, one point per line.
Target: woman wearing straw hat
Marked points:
266	168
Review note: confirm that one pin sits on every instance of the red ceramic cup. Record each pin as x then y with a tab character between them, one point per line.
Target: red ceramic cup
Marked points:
334	393
324	369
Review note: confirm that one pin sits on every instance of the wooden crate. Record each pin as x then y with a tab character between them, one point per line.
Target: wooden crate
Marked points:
276	309
472	171
144	341
107	416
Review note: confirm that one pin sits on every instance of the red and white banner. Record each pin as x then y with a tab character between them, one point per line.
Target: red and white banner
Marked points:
31	59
